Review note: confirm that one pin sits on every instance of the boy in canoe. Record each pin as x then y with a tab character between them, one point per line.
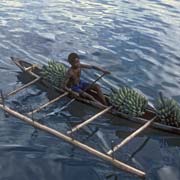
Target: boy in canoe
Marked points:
74	83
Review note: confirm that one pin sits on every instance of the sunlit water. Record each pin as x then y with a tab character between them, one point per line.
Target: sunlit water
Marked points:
138	41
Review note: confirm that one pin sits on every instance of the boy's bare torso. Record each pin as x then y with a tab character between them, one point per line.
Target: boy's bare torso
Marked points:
74	76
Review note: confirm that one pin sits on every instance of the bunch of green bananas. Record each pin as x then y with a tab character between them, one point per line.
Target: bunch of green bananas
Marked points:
129	102
168	111
54	72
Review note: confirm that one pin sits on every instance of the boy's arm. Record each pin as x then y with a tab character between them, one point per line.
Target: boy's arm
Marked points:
94	67
66	81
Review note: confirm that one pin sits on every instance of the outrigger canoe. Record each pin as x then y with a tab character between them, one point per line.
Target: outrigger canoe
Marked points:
34	72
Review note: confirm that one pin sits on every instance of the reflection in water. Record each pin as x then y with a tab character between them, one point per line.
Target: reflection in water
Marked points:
168	172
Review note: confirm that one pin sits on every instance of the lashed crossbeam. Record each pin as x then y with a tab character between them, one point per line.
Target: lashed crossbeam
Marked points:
130	137
89	120
23	87
48	103
74	142
30	68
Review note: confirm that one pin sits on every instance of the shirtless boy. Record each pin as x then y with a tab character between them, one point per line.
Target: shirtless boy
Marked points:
74	83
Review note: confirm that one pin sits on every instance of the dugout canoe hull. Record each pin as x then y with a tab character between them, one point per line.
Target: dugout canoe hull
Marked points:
149	114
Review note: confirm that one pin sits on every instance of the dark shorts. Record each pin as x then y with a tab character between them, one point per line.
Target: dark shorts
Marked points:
82	86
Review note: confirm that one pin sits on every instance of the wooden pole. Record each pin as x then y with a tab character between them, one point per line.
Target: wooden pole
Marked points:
74	142
48	103
33	74
130	137
23	87
79	126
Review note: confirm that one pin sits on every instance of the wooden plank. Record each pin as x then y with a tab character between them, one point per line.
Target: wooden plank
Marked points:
131	136
23	87
79	126
48	103
74	142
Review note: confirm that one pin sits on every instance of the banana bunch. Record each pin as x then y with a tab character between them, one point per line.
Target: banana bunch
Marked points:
129	102
168	111
54	72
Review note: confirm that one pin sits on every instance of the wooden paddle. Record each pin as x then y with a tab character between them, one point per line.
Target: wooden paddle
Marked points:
90	85
95	81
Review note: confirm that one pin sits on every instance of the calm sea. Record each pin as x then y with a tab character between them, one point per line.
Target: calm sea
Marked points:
138	41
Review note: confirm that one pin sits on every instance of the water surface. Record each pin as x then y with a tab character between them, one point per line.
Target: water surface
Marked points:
137	41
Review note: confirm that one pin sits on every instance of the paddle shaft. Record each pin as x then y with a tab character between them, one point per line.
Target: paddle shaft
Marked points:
90	85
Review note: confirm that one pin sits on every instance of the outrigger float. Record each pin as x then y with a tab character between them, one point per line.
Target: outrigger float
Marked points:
147	119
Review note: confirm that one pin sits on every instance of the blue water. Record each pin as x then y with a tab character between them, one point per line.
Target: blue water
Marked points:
138	41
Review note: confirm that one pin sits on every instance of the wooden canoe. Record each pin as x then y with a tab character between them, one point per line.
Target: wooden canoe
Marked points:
34	71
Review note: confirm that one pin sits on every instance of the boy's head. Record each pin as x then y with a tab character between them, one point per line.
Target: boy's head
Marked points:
73	59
